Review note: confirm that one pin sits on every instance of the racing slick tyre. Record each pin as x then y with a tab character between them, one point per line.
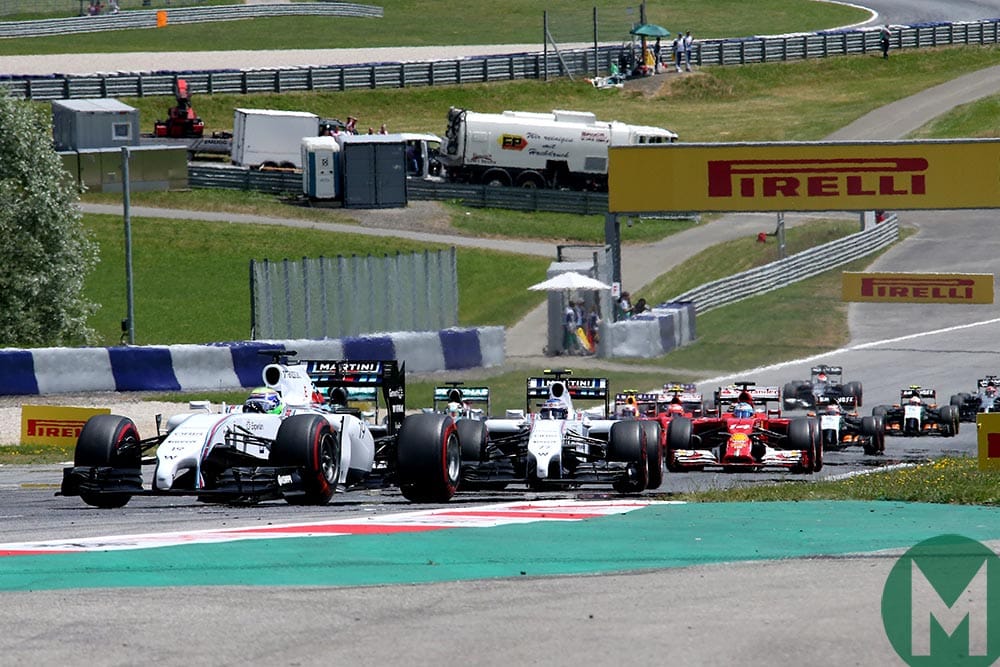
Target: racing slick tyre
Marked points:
880	429
880	411
108	441
678	437
870	435
428	458
802	437
957	400
817	438
626	443
654	453
949	418
308	443
854	389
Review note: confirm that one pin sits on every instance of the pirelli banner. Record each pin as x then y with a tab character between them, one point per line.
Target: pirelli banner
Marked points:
53	424
918	287
824	176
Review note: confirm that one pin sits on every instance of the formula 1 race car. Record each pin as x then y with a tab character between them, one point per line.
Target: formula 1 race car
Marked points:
917	413
841	426
460	402
986	399
744	436
825	382
558	446
296	438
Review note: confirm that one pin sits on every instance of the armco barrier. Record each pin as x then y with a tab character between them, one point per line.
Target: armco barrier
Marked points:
224	366
651	334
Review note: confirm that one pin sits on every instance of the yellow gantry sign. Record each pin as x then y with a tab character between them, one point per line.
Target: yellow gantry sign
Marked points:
804	176
918	287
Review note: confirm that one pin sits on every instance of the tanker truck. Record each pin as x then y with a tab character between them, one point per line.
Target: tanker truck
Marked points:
562	149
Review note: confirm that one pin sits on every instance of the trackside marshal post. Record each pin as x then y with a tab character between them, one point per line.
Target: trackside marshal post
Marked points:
805	176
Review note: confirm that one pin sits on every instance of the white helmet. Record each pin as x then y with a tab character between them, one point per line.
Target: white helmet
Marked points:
454	410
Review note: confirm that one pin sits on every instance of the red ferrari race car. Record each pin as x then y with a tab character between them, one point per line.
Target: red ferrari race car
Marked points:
745	435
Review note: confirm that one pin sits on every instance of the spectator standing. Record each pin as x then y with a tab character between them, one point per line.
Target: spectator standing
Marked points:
640	307
678	49
624	306
687	50
570	342
883	40
593	325
656	54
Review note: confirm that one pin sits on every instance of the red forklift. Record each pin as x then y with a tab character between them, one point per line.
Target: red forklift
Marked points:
182	122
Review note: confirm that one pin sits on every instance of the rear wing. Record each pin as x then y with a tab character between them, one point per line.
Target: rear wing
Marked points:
987	381
584	389
910	392
736	391
365	381
847	402
834	371
456	393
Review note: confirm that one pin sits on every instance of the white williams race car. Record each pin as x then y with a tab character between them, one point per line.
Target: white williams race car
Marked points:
295	438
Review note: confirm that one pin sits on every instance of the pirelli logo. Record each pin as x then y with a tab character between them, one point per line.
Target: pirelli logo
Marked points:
805	176
974	288
789	179
54	425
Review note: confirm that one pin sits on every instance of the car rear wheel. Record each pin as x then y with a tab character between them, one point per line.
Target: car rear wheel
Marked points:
108	441
802	437
428	458
308	443
949	417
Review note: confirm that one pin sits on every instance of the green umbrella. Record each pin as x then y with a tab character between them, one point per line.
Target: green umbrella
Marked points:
649	30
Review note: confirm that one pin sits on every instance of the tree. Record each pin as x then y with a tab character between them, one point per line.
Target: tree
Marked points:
45	252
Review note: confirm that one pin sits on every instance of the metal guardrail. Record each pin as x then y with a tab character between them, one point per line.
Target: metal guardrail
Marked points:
240	178
479	69
791	269
518	199
147	18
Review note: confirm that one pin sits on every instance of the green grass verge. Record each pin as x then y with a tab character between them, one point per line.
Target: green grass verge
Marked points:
948	480
436	22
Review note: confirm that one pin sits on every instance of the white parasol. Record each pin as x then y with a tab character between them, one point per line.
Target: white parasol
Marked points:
569	281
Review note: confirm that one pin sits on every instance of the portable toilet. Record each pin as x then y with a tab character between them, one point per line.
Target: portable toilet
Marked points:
321	168
374	170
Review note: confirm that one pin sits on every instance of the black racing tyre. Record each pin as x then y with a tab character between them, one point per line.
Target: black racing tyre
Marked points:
949	417
627	444
788	395
309	443
108	441
956	400
802	437
678	437
472	437
880	411
880	438
428	458
854	389
654	453
818	460
870	434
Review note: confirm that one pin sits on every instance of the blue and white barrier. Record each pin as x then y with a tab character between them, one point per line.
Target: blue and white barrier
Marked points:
224	366
650	334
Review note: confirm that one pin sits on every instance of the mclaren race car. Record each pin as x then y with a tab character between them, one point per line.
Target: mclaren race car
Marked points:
745	435
825	382
918	413
986	399
557	445
297	437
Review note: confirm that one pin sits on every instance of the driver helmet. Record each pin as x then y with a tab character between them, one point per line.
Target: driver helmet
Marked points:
454	409
833	409
991	390
263	400
821	377
628	411
914	400
553	409
743	410
675	409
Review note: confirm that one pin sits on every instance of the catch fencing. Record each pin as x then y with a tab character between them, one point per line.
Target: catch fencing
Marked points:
338	297
483	69
792	269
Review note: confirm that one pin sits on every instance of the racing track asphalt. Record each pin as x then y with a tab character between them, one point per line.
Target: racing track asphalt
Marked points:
791	612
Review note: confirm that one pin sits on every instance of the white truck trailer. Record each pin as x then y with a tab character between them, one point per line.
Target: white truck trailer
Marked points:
271	138
562	149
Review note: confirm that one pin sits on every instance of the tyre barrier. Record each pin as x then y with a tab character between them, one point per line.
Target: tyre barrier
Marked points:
651	334
226	366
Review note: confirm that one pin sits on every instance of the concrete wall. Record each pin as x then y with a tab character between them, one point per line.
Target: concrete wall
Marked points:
649	335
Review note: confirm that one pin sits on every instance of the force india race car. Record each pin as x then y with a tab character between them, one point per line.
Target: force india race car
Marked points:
917	414
298	442
744	435
558	446
825	382
841	426
986	399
